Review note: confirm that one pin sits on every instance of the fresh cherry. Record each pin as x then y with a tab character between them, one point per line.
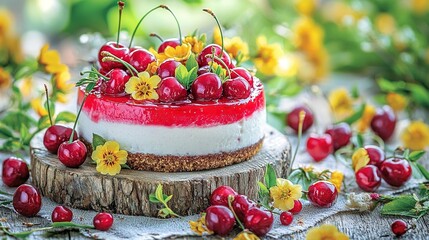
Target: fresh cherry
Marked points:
375	154
395	171
117	50
103	221
297	207
319	146
168	68
206	55
220	220
399	227
171	90
242	72
72	154
286	218
220	195
27	200
322	194
236	88
173	42
341	134
368	178
15	172
55	135
203	69
383	123
140	59
293	118
258	221
241	206
116	83
61	214
207	86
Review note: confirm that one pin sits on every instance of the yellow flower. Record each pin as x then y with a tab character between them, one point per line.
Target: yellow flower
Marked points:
337	179
179	53
38	107
416	136
341	102
267	57
366	118
305	7
109	158
308	36
143	87
5	79
152	68
199	227
385	23
196	45
62	98
26	86
246	235
62	81
6	21
160	57
360	159
236	47
397	101
325	232
419	6
50	60
285	193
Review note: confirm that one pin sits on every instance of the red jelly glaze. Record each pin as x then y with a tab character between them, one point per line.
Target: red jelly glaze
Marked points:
180	114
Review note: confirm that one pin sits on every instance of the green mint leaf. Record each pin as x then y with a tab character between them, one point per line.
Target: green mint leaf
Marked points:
191	62
360	140
71	224
263	189
192	75
423	170
182	75
402	204
355	116
164	212
97	140
65	116
270	177
406	153
168	198
153	199
416	155
42	123
158	193
5	131
203	38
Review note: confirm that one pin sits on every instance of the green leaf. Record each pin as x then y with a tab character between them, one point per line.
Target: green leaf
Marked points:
65	116
192	75
15	119
406	153
43	122
355	92
168	198
158	193
191	63
416	155
153	199
97	140
386	85
270	177
71	224
164	212
399	206
360	140
12	145
355	116
182	75
262	188
5	131
89	87
423	170
125	166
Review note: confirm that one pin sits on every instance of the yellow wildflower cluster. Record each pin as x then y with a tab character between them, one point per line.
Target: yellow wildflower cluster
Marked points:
385	23
396	101
268	55
336	178
236	47
325	231
10	43
285	193
360	159
196	45
416	136
143	87
341	103
199	227
364	122
109	158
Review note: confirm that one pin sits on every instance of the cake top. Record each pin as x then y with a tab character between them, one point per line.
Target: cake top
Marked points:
181	70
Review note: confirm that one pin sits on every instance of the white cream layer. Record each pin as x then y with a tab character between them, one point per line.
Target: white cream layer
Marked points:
178	141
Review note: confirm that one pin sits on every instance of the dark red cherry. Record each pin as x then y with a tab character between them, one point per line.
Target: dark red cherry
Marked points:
168	68
220	195
292	119
368	178
297	207
236	88
116	84
322	194
207	86
242	72
375	154
286	218
170	90
72	154
140	59
220	220
27	200
117	50
396	171
15	172
341	134
55	135
205	56
241	205
173	42
203	69
61	214
103	221
319	146
399	227
383	123
258	221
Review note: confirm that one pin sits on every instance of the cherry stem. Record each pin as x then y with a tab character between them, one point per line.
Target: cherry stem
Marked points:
47	104
301	122
121	5
223	64
209	11
111	57
177	22
230	199
140	21
96	73
77	117
156	36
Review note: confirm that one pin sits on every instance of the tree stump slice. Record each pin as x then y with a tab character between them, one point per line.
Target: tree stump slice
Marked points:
128	192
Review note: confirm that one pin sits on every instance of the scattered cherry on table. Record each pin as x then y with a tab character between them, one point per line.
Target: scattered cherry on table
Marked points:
15	172
399	227
27	200
103	221
322	194
286	218
61	214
